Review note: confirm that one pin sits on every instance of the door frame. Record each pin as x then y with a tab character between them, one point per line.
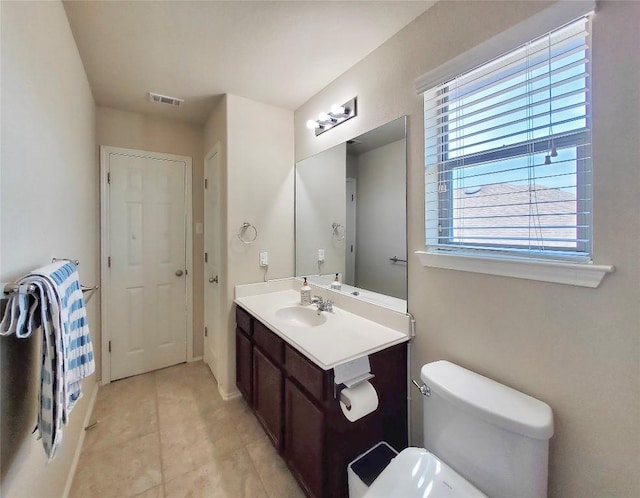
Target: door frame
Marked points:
105	242
350	232
222	359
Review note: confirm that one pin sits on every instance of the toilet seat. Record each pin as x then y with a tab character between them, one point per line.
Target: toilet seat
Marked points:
417	473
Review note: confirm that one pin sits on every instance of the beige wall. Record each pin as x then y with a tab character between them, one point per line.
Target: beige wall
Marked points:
578	349
381	220
258	168
137	131
49	208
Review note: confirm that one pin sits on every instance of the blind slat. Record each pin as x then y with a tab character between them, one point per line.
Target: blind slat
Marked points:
465	208
435	100
515	134
579	140
527	239
508	124
468	173
451	126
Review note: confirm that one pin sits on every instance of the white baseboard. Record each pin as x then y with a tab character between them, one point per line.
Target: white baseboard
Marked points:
229	396
76	456
195	358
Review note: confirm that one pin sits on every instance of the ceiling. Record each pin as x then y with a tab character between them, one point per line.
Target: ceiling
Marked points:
277	52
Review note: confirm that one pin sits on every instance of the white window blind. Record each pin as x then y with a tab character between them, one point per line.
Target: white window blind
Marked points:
508	153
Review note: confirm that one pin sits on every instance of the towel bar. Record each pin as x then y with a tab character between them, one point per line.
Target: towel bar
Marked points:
13	288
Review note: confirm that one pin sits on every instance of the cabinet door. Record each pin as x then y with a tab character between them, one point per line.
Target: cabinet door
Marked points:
304	439
244	366
267	396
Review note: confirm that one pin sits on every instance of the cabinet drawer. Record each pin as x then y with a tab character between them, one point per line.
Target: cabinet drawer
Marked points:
305	373
243	320
269	343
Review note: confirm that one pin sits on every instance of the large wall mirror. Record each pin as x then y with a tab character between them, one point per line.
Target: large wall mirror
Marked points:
351	207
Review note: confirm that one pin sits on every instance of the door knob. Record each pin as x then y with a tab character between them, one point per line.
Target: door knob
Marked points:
213	280
178	273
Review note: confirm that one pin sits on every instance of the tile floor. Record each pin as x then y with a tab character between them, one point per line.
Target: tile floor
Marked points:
169	434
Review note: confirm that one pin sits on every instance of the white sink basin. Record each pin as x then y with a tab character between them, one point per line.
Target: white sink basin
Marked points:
297	316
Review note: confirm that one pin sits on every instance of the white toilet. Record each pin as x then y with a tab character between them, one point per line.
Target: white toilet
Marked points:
481	438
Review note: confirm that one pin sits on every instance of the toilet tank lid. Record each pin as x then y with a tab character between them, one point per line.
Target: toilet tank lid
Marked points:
493	402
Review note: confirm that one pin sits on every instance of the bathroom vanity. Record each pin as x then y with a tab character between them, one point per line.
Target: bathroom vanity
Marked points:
282	373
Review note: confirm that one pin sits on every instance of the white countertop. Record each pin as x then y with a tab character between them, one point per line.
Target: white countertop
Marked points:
343	337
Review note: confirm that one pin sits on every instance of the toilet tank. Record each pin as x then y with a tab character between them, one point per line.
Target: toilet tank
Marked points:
495	436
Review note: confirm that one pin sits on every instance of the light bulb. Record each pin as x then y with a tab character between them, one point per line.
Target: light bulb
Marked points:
323	116
312	125
554	151
337	110
547	159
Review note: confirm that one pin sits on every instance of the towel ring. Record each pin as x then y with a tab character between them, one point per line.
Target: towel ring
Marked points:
242	231
336	231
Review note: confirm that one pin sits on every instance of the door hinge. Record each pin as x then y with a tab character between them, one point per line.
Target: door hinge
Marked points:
206	332
206	257
109	346
109	177
186	272
109	261
206	183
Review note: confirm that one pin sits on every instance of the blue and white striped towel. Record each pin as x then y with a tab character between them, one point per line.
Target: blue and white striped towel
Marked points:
67	353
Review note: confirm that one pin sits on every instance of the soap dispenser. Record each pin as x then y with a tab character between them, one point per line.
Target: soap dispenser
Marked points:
336	285
305	293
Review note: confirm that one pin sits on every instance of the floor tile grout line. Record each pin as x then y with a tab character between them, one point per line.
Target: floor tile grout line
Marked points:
255	469
155	390
254	465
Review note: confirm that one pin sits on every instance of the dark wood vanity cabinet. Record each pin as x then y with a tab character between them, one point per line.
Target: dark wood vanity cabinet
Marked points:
267	396
295	402
304	439
244	354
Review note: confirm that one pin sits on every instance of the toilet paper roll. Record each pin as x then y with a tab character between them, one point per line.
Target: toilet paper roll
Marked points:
363	398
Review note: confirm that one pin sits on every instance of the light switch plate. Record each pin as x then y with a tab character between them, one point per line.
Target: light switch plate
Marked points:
264	258
320	254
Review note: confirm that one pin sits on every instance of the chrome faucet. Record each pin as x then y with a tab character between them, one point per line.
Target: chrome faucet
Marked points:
322	305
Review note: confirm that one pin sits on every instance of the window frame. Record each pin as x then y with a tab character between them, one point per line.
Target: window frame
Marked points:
585	273
580	139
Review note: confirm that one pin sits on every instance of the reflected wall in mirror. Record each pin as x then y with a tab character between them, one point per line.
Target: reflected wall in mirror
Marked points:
351	216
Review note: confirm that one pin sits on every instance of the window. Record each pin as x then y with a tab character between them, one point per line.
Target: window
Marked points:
508	153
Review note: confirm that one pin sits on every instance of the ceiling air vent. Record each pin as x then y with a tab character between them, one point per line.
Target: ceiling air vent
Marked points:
164	99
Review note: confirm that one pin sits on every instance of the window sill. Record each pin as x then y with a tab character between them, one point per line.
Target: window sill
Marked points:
579	274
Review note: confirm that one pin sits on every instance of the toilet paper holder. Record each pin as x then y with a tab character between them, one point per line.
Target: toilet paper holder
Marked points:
344	400
337	390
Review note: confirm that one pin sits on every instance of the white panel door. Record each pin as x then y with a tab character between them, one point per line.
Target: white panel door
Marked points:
212	233
147	294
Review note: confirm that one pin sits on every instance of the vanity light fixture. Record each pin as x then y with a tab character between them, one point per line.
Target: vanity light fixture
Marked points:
337	115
